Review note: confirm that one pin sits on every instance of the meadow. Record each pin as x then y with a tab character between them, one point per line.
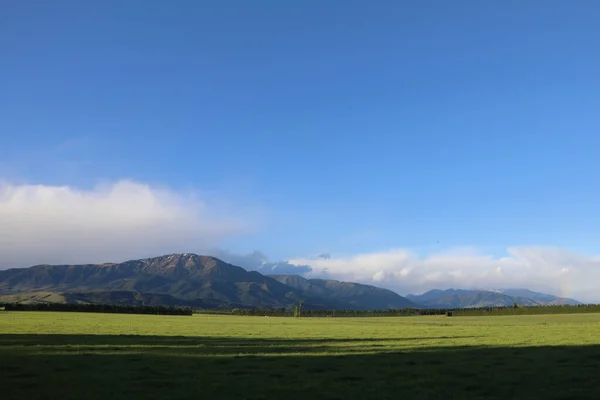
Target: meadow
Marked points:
53	355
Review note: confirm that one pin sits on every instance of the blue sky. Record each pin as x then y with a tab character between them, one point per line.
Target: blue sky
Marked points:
340	126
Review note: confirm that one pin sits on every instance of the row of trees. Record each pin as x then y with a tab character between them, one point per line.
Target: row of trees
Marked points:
296	310
528	310
98	308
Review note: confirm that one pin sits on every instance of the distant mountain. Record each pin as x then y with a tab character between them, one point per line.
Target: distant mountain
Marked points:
179	279
453	298
543	298
207	282
355	295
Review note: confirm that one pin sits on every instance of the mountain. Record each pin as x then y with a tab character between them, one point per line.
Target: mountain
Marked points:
207	282
543	298
183	277
453	298
358	296
179	279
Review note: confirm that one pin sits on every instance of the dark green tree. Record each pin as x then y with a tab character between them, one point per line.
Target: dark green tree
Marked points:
298	308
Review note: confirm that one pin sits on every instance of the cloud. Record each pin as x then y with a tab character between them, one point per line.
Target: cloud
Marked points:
552	270
258	261
251	261
111	222
283	268
127	220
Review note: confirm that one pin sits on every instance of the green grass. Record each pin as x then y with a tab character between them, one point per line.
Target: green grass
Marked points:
47	355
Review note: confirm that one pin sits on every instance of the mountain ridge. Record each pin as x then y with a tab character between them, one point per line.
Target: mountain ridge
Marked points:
188	279
357	294
183	278
461	298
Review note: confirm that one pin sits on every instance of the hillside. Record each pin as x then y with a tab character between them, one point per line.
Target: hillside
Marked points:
358	296
207	282
453	298
543	298
182	279
107	297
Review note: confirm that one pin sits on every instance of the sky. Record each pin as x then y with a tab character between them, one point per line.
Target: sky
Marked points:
416	144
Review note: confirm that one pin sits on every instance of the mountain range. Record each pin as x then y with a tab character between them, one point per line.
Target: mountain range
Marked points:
186	280
207	282
455	298
347	294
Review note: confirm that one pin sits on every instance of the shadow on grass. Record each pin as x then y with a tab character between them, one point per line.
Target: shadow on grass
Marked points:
167	367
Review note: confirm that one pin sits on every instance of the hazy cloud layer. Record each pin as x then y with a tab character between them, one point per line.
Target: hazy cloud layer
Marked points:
128	220
251	261
112	222
552	270
258	261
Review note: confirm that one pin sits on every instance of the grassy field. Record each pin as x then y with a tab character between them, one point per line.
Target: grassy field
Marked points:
110	356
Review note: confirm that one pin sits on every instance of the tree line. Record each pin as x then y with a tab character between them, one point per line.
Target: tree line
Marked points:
528	310
409	312
98	308
296	310
299	312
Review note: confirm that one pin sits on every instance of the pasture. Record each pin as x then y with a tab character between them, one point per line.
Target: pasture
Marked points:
46	355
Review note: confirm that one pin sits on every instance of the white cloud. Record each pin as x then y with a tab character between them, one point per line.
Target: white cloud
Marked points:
112	222
128	220
552	270
258	261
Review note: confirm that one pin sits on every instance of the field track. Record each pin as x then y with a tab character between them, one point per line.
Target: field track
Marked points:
46	355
